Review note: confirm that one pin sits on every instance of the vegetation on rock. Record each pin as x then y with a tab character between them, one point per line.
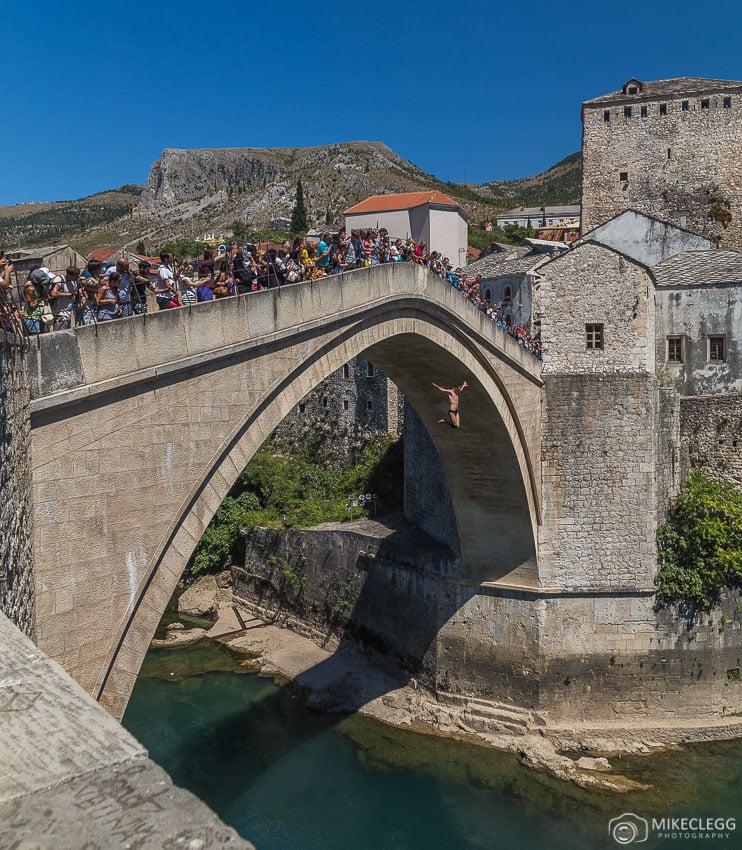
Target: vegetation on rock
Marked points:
296	490
700	546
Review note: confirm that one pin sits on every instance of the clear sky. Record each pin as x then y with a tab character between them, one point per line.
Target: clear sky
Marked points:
92	92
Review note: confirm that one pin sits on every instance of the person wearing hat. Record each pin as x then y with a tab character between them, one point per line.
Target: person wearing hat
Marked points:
62	295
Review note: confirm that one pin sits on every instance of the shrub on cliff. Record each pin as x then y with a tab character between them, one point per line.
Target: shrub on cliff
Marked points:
700	546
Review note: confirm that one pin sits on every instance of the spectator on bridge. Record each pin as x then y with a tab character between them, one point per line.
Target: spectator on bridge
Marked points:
165	293
62	296
106	298
33	298
140	285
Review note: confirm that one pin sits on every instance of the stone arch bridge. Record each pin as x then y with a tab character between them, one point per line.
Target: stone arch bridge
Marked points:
141	427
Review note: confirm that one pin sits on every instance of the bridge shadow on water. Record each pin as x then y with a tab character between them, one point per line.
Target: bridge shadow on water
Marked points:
389	640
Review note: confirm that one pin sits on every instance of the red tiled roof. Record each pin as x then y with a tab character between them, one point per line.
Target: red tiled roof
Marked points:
403	201
102	254
472	254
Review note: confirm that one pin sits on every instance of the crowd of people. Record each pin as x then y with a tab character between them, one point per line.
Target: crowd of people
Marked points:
100	293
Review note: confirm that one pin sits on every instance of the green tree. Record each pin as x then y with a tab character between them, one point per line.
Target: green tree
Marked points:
299	214
240	231
700	546
140	247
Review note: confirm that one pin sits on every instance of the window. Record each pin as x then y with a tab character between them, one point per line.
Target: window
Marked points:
346	370
669	153
345	404
507	295
606	115
632	90
685	105
593	337
369	405
663	109
675	349
717	349
705	103
624	177
302	408
627	112
487	295
644	111
369	370
324	401
727	103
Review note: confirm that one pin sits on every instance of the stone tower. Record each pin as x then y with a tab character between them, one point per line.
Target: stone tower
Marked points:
670	149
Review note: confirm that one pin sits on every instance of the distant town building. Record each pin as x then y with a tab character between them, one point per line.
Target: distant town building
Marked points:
282	225
506	280
429	216
668	148
536	217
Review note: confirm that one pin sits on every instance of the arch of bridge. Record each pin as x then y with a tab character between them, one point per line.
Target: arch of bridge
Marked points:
183	437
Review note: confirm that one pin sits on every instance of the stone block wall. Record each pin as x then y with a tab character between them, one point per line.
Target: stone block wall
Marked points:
595	285
598	470
711	436
682	166
16	565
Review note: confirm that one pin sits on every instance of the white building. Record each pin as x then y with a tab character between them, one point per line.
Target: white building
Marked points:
536	217
429	216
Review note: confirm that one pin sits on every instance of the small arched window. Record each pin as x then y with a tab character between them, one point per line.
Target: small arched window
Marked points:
507	295
487	295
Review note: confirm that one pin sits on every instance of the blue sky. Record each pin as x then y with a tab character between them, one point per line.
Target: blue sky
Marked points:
93	92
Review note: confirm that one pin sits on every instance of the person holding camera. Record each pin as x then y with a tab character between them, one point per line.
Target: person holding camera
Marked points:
62	295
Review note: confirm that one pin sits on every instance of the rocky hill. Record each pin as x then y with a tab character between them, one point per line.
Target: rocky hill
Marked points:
191	192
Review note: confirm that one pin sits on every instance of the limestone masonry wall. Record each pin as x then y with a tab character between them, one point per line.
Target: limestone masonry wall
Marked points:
16	565
680	164
711	436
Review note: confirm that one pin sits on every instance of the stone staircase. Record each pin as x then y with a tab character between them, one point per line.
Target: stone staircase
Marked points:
485	717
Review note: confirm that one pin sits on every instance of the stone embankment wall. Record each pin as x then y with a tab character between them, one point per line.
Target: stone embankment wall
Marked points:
711	436
368	582
589	656
16	565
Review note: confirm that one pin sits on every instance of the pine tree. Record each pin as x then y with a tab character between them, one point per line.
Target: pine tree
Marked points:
299	214
140	247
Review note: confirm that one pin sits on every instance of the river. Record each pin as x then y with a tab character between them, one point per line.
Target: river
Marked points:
290	779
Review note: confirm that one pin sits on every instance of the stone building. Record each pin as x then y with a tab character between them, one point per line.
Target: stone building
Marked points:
342	415
668	148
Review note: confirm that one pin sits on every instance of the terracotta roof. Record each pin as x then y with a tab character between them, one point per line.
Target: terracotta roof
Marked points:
403	201
102	254
675	87
699	268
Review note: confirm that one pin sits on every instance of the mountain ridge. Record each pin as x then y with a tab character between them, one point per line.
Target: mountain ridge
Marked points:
189	192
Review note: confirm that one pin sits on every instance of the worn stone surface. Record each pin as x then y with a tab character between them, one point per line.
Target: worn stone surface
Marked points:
16	536
73	777
682	166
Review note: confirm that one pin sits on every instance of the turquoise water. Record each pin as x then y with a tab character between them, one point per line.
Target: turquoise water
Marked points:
290	779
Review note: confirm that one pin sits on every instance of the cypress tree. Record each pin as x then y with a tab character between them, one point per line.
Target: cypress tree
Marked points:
299	214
